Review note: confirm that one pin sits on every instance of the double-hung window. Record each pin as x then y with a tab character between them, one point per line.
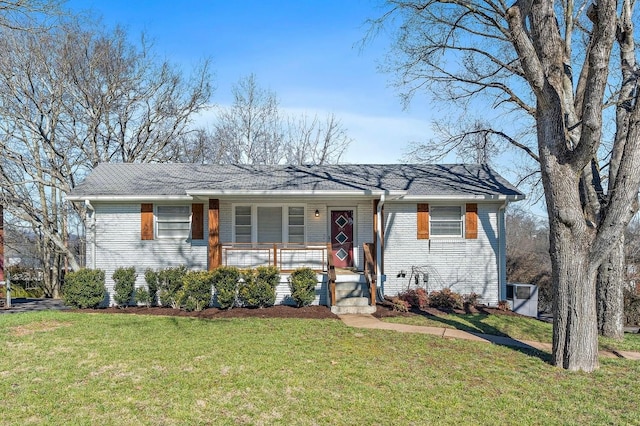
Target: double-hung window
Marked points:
173	221
446	221
265	224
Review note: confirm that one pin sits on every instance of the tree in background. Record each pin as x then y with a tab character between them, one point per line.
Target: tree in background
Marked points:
528	259
544	65
72	96
253	130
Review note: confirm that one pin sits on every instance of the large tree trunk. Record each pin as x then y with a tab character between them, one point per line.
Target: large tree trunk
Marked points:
609	293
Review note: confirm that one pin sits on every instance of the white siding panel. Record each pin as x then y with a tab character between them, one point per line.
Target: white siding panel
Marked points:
463	265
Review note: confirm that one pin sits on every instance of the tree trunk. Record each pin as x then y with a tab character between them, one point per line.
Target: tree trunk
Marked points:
609	291
575	332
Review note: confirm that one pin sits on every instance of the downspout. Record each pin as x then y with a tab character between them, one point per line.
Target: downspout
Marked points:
92	228
379	243
502	277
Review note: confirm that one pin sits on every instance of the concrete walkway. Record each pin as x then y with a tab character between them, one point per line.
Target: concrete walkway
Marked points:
369	321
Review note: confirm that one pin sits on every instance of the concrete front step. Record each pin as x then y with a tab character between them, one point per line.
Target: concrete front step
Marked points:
351	285
345	294
353	301
344	310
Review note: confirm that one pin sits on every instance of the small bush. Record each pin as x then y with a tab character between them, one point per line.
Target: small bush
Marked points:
143	297
415	298
471	299
445	299
197	290
170	286
151	278
399	304
503	305
225	282
125	281
84	288
302	284
259	287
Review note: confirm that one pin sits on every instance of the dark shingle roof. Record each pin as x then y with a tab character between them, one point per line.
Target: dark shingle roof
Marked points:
129	180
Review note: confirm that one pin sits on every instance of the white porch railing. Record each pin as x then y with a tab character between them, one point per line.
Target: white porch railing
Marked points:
286	257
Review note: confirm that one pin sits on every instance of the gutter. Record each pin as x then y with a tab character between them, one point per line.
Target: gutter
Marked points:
92	227
379	243
502	245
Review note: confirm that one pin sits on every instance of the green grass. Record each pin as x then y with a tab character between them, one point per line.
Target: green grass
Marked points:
511	326
76	368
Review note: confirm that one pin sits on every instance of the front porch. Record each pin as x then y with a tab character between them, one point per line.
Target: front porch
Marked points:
347	289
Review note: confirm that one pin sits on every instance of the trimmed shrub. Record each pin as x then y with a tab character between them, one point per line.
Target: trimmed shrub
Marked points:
125	281
143	297
151	278
399	305
197	290
415	298
84	288
302	284
225	282
170	286
259	287
445	299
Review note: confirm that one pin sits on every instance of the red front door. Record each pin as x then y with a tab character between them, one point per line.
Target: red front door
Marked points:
342	238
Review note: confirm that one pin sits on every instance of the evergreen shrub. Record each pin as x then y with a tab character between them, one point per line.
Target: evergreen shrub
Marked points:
84	288
302	284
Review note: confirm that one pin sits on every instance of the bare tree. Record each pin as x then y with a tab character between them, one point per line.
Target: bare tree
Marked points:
522	58
253	130
71	97
28	15
309	140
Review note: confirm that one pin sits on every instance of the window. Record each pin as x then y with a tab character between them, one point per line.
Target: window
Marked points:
243	224
296	224
269	224
173	221
446	221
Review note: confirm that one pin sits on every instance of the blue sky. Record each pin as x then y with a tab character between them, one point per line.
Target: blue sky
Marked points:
306	51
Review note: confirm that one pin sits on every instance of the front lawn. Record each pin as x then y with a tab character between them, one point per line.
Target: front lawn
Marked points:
78	368
517	327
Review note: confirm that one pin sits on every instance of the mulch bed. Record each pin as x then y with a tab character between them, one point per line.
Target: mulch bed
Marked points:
385	311
284	311
278	311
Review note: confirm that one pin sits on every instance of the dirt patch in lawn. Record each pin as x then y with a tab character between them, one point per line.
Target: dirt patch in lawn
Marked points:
37	327
278	311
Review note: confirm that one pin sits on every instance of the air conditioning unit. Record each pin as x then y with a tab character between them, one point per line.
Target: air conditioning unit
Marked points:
523	299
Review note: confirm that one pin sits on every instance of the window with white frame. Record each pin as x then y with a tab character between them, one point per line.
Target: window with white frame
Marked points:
446	221
173	221
296	224
243	224
269	224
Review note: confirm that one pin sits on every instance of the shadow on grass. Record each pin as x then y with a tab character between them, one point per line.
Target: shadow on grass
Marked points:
483	330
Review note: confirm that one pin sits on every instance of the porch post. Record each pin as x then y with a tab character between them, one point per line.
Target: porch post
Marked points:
214	234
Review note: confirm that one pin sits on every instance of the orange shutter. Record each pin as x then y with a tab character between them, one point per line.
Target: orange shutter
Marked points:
214	233
146	221
471	221
197	221
423	221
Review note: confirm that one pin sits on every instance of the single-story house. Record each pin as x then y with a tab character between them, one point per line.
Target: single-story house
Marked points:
379	229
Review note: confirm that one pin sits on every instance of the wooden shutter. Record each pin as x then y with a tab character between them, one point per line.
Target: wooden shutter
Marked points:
215	253
146	221
197	221
423	221
471	221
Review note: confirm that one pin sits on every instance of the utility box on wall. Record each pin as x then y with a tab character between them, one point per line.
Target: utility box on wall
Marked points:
523	299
